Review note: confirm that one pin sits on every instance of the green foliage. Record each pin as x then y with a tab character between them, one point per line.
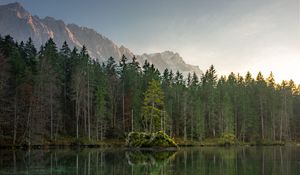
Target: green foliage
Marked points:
227	139
153	105
142	140
58	92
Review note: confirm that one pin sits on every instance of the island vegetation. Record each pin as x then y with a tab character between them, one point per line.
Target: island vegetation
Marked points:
158	140
61	96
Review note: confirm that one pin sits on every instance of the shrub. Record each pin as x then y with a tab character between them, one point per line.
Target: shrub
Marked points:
142	139
227	139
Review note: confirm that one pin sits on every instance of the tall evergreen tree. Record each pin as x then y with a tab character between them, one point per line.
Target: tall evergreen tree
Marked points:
153	107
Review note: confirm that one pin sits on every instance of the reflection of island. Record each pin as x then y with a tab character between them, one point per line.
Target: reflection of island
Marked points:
150	140
149	162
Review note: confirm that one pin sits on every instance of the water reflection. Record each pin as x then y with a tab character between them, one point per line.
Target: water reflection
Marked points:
149	162
209	161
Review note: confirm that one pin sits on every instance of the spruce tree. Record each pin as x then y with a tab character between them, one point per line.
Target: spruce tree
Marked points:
153	107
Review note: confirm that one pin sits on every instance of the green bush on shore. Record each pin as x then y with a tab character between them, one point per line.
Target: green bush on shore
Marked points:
227	139
144	140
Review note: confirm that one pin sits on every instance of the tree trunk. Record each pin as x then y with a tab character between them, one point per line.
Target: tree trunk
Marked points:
88	106
85	117
262	120
184	114
28	127
123	108
280	135
236	123
192	128
77	116
161	121
15	120
97	130
285	117
101	135
51	113
77	164
132	120
65	96
151	118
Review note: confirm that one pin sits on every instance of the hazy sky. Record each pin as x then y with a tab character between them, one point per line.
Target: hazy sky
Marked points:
234	35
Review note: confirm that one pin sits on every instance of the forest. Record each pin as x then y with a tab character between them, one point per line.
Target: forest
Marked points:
55	93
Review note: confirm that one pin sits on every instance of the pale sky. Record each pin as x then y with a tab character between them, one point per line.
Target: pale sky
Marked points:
234	35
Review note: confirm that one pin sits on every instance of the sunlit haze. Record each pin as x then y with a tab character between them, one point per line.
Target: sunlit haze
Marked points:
234	35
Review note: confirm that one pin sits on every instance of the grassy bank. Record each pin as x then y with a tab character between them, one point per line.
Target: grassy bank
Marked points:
228	139
69	142
220	142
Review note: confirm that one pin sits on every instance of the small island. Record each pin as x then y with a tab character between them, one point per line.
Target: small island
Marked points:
142	140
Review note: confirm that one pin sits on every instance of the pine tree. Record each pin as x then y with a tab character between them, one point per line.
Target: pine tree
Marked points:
112	77
153	107
65	56
17	71
30	55
261	86
50	87
100	101
209	81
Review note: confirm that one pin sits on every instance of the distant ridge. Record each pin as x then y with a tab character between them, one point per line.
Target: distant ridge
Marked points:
20	24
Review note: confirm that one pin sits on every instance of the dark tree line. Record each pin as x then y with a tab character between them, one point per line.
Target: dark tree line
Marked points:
50	93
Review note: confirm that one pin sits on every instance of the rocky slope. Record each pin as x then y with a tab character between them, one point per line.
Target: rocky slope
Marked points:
173	61
20	24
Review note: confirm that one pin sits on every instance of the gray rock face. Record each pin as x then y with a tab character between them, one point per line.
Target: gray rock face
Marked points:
20	24
173	61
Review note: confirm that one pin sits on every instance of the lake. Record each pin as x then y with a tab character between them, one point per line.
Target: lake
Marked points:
187	161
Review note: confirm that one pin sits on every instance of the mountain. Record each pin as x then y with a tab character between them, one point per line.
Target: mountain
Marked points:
173	61
20	24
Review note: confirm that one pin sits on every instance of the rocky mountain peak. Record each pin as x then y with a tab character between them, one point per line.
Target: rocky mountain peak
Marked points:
14	8
20	24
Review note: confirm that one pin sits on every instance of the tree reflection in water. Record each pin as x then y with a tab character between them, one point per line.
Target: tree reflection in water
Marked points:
149	162
275	160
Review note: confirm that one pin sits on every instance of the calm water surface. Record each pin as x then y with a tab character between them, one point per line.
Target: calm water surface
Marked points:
187	161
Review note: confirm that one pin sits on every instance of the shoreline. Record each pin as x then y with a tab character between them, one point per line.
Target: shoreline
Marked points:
121	144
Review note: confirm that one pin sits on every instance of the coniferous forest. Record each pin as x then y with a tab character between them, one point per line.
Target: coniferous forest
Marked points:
52	93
